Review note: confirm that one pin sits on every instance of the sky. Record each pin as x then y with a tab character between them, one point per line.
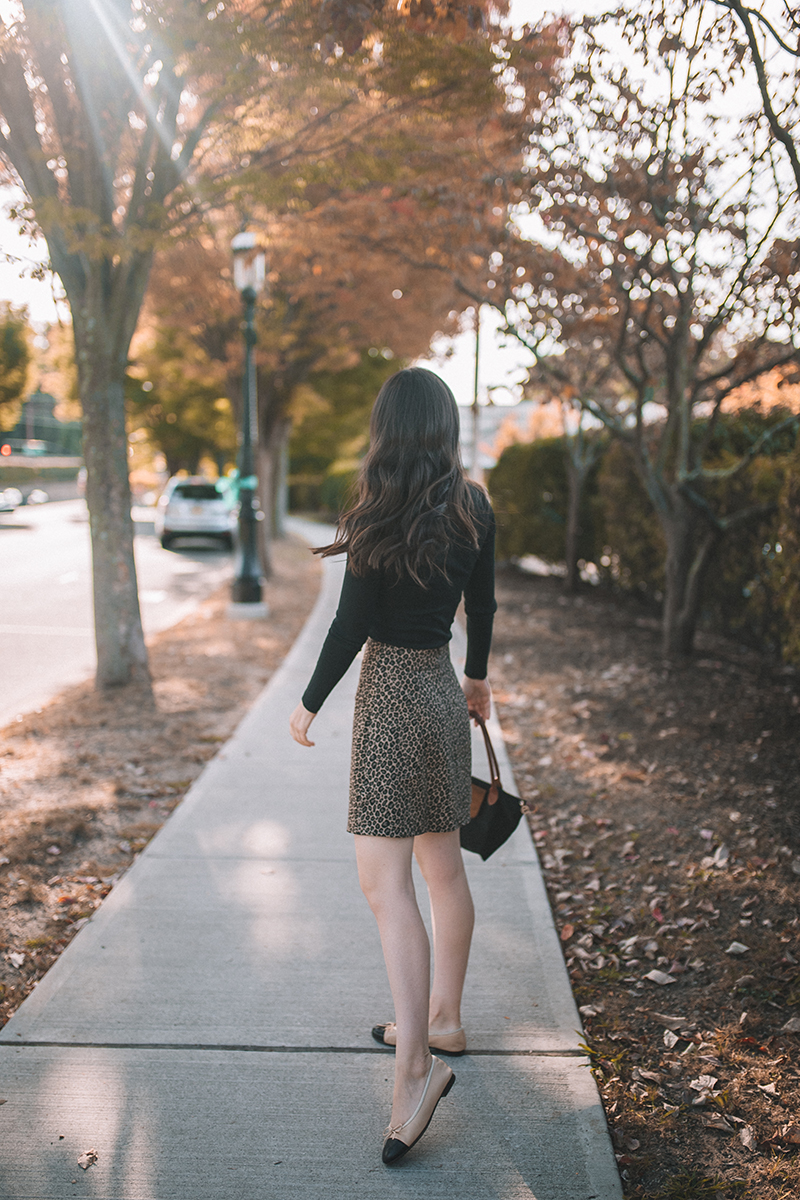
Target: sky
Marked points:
15	282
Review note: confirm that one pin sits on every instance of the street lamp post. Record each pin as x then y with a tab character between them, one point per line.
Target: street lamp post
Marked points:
249	271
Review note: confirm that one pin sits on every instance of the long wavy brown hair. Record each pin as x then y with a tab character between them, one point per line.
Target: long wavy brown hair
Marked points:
413	498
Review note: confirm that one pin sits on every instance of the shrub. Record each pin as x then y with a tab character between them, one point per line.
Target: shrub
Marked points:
529	492
753	586
741	590
633	546
337	490
785	560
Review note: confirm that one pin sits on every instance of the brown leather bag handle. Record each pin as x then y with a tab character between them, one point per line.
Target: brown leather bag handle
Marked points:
494	769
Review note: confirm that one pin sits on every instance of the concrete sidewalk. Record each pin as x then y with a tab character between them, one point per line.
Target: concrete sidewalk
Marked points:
207	1032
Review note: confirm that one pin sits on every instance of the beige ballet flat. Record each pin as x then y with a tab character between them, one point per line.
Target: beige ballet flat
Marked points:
454	1042
400	1138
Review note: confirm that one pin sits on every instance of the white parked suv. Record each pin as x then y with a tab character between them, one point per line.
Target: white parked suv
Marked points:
191	506
10	498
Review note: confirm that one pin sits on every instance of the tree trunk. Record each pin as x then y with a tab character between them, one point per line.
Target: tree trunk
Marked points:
104	315
280	476
691	542
121	653
265	461
576	479
273	430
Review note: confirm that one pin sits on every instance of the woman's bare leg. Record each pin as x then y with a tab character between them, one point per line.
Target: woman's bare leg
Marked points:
384	872
453	916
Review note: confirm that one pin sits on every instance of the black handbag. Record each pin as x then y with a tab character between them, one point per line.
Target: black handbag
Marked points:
494	814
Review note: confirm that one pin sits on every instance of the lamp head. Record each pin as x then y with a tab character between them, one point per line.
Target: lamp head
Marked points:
249	262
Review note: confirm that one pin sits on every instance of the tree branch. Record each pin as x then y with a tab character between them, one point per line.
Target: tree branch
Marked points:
781	134
752	12
758	445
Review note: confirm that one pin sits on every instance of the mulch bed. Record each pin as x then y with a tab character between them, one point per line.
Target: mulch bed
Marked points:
86	782
666	817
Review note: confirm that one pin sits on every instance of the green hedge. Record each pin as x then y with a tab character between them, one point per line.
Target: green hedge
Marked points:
35	473
753	587
630	547
528	487
784	560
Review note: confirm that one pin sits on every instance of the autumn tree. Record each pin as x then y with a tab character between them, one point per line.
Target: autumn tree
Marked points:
182	404
327	307
14	361
330	415
123	120
665	234
767	46
573	381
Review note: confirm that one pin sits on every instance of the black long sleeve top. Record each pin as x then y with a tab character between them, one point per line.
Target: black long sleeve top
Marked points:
418	618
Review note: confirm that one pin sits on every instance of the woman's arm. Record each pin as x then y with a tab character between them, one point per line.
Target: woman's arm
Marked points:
479	697
299	722
346	636
480	606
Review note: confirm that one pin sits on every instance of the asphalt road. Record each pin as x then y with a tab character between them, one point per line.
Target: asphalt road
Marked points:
46	631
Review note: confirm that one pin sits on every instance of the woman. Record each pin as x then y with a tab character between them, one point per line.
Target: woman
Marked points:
419	536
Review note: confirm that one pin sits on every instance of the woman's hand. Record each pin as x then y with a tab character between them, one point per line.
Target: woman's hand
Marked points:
299	722
479	697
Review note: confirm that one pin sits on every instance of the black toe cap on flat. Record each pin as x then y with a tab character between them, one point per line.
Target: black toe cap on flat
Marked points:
393	1149
378	1032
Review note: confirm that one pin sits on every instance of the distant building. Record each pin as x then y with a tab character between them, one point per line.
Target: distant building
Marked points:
39	431
501	424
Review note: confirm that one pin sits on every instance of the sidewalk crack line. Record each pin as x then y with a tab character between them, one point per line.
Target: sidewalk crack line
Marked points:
241	1048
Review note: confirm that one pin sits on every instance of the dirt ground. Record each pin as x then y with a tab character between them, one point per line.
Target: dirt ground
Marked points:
86	782
667	819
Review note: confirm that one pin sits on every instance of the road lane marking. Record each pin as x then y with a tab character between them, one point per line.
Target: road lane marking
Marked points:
55	630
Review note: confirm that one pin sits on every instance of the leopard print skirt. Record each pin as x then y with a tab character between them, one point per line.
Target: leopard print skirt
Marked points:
410	770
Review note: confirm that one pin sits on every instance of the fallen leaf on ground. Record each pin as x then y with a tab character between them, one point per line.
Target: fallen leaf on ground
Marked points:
716	1121
567	932
703	1083
660	977
670	1022
747	1136
15	959
791	1026
753	1044
650	1076
87	1159
670	1039
737	948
